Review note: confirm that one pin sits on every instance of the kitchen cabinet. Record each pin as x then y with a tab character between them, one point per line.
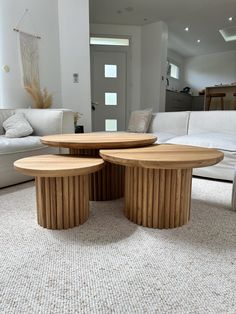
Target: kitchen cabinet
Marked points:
176	101
198	103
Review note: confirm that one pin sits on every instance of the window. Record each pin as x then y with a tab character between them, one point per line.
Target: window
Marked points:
111	99
173	70
109	41
110	71
111	125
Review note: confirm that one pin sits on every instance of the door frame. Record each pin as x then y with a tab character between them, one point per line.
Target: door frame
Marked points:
127	51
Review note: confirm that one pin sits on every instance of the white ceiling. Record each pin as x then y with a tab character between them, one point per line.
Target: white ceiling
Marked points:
204	18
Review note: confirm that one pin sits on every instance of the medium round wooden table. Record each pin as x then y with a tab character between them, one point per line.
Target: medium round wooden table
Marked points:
108	183
158	181
62	187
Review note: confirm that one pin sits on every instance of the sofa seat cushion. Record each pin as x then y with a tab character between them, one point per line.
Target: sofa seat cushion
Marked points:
18	145
221	141
162	137
224	170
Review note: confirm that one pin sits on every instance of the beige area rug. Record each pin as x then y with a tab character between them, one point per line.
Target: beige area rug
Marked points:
110	265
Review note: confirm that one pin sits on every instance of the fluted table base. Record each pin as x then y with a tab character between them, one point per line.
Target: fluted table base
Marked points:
158	198
106	184
62	202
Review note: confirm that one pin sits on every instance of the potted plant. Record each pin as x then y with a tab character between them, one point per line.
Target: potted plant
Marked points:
78	128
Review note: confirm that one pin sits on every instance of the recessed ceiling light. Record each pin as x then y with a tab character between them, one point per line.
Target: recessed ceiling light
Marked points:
230	19
199	40
186	29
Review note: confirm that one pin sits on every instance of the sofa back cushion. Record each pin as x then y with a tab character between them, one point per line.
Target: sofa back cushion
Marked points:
175	123
139	121
44	121
49	121
212	121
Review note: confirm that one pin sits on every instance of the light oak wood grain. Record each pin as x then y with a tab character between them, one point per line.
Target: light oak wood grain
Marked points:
163	205
107	183
158	181
57	165
62	187
63	202
164	156
99	140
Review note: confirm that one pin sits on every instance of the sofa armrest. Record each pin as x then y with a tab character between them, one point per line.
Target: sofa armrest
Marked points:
49	121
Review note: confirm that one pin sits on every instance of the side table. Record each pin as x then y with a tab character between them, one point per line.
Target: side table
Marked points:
62	188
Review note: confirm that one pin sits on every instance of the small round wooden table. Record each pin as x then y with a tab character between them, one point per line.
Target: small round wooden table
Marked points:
158	181
62	187
108	183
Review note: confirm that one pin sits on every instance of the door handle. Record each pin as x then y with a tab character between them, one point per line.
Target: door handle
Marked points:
94	103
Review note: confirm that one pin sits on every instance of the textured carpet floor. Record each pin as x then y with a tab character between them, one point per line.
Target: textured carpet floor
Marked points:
110	265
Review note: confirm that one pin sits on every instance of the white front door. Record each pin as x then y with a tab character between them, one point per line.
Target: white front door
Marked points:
108	73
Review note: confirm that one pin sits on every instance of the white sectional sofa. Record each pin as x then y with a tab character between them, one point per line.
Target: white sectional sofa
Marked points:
215	129
43	122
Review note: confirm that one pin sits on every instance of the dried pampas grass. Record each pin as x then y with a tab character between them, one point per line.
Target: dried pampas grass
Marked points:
42	99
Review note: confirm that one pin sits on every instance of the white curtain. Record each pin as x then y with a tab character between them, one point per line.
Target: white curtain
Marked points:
30	58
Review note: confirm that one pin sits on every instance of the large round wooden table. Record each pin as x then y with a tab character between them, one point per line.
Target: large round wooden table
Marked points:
158	181
108	183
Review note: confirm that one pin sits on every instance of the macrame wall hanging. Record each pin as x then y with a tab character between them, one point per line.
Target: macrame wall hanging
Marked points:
29	53
30	66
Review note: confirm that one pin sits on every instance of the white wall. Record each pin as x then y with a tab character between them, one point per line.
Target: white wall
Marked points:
209	70
134	32
179	60
153	66
44	20
75	57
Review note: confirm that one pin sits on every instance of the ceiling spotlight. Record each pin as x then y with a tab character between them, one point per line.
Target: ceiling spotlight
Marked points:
186	29
198	40
230	19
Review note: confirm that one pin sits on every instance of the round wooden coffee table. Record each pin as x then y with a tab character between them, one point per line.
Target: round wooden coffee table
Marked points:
108	183
158	181
62	187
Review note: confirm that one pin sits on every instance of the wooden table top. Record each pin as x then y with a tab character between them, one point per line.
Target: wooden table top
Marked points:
164	156
57	165
97	140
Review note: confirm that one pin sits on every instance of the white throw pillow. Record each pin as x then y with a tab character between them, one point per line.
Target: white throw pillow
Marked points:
17	126
139	121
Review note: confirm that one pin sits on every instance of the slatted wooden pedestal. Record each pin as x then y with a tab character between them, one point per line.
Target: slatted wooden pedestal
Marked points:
62	187
106	184
62	202
158	198
158	181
